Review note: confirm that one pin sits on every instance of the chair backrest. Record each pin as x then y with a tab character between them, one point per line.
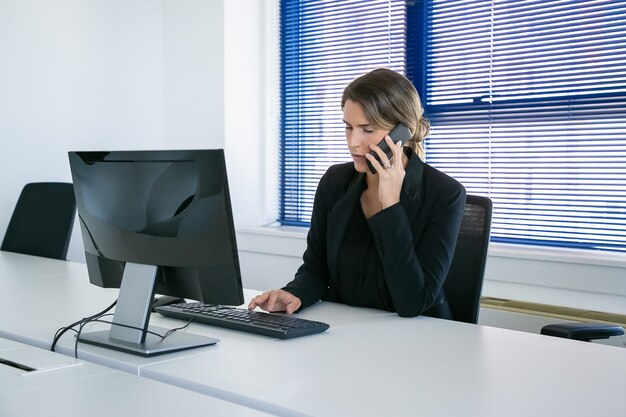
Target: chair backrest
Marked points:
42	220
463	285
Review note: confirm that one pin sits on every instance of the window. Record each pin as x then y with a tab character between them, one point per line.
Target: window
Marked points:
527	102
325	45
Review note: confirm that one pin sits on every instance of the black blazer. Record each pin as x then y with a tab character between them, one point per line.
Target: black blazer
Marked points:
415	238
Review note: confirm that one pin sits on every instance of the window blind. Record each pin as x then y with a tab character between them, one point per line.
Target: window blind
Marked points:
527	102
324	46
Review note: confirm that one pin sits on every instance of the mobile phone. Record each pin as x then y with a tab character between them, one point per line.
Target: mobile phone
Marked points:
398	133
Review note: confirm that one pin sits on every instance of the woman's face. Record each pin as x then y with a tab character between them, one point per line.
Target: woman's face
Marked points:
360	134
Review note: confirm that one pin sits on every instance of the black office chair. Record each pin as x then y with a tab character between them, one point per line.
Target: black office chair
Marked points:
463	285
42	220
585	332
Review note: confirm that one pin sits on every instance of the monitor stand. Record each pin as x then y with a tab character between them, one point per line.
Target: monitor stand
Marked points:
129	330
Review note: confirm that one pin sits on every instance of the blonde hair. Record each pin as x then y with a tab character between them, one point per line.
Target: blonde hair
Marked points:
389	98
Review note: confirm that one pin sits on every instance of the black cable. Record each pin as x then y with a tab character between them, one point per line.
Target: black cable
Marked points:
62	330
170	331
98	320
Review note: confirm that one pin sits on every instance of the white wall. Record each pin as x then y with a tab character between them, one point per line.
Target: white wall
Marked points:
251	81
121	74
75	75
193	73
134	74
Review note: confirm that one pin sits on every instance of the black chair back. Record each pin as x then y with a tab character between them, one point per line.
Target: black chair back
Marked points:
463	285
42	220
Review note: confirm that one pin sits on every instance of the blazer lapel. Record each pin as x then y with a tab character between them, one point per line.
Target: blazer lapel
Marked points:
412	186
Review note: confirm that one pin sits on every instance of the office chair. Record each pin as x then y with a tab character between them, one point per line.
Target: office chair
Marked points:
463	285
42	220
582	331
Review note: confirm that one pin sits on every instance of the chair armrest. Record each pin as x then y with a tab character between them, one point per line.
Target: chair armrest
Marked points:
582	331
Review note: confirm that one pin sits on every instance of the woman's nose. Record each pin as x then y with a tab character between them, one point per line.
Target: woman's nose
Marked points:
353	139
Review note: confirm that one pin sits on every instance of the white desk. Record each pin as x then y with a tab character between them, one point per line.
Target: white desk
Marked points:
369	363
15	265
66	387
407	367
52	368
40	295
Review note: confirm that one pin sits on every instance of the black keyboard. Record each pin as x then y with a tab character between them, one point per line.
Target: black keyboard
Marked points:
267	324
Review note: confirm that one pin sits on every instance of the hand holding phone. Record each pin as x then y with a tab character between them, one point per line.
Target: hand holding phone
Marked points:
398	133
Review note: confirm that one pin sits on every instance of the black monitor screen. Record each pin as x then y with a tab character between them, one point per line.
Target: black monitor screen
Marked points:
169	209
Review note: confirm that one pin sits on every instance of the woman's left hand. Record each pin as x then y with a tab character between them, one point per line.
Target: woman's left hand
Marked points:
390	173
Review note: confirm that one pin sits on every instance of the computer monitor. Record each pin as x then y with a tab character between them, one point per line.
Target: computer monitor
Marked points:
156	222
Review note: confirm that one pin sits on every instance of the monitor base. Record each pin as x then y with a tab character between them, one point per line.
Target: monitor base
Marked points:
153	345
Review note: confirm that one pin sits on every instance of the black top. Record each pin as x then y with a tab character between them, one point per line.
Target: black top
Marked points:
414	241
361	280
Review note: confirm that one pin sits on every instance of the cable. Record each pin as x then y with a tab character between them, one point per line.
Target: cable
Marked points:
97	319
170	331
62	330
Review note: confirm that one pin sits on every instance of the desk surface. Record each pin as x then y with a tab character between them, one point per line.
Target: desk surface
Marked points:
66	387
407	367
42	295
369	363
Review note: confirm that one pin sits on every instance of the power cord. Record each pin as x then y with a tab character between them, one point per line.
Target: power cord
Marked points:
61	331
99	320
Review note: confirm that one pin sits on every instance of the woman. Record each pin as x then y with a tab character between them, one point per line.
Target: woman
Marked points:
381	240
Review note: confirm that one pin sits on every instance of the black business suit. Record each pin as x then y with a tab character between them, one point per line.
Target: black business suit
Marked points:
415	239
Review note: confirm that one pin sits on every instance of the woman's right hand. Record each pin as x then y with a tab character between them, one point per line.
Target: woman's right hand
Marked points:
276	300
